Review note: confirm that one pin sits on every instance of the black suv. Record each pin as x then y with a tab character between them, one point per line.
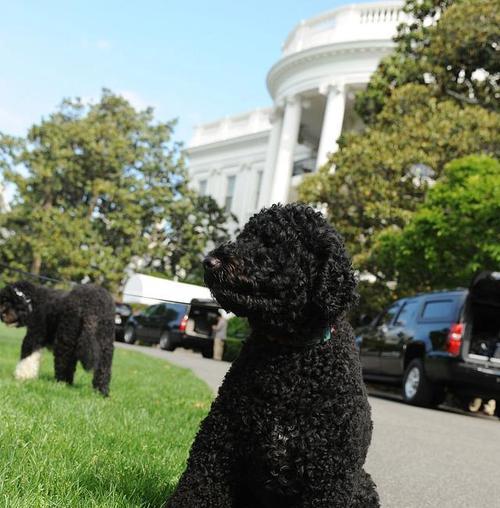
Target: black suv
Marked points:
175	325
433	342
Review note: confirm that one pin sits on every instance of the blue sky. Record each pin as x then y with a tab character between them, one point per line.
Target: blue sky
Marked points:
192	60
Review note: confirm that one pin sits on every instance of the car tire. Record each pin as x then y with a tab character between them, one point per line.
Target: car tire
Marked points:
129	335
207	353
417	389
166	342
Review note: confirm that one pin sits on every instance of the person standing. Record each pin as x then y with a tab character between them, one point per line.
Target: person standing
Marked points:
219	333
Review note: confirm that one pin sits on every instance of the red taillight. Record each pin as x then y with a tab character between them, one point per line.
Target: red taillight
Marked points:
454	340
183	323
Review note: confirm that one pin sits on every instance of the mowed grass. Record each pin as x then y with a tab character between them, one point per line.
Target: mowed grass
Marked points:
67	446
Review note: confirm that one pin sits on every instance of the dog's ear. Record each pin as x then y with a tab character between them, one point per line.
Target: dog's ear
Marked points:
334	290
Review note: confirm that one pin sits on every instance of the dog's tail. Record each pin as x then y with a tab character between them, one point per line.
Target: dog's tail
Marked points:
87	351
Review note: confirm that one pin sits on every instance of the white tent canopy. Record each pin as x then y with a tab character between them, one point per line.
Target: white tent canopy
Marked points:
150	290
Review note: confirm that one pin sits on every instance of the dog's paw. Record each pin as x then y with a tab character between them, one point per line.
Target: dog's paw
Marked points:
28	367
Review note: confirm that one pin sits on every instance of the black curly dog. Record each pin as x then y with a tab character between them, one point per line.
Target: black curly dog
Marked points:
291	425
78	325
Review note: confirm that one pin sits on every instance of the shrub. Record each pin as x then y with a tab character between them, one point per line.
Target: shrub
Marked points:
238	328
232	348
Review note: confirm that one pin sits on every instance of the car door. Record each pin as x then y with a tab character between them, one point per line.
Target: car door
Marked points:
156	322
143	320
371	339
395	337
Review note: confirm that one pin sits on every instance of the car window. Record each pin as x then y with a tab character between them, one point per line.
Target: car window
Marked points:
407	313
438	309
175	312
123	309
149	311
161	310
388	315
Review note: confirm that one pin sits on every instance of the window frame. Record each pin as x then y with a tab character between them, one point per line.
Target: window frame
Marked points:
258	189
230	178
441	319
397	303
403	306
202	187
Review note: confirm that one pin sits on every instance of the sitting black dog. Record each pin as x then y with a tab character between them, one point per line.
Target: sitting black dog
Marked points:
291	425
77	325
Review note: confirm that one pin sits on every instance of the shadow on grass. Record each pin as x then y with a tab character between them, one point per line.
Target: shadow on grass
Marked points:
134	489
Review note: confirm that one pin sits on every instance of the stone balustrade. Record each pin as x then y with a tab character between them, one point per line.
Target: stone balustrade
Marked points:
232	127
350	23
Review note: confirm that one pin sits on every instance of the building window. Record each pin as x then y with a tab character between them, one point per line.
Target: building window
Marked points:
203	188
231	182
258	189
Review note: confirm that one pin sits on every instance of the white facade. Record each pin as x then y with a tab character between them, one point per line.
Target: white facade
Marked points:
4	205
255	159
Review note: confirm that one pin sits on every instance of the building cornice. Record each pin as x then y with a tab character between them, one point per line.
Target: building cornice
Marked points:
228	143
316	54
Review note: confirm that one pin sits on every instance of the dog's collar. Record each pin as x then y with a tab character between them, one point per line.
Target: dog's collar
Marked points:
327	335
23	297
321	339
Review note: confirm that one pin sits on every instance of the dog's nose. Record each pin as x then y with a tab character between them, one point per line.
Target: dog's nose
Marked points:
211	263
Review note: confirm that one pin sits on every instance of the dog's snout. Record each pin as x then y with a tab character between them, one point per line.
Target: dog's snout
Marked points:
211	263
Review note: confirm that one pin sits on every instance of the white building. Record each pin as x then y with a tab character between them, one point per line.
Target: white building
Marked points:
4	205
258	158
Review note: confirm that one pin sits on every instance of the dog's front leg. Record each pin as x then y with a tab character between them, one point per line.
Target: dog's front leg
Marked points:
31	353
209	480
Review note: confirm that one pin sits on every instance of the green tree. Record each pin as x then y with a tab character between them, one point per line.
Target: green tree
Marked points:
96	185
454	233
177	247
450	46
434	99
383	174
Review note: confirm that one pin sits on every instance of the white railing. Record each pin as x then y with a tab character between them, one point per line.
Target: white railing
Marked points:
231	127
350	23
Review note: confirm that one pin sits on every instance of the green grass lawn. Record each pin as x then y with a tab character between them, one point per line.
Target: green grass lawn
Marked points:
68	447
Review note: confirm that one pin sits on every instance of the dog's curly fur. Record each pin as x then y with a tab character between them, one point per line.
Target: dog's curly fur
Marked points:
78	325
291	425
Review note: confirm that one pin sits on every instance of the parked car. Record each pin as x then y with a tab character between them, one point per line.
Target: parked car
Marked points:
173	325
122	312
433	342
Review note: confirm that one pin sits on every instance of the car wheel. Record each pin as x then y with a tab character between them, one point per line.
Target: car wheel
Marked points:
129	335
207	353
166	342
417	389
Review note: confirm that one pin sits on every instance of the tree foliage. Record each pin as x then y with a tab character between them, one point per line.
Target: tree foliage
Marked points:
383	174
99	187
434	99
450	46
454	233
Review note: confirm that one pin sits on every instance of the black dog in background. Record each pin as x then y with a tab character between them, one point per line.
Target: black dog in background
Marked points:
78	325
291	425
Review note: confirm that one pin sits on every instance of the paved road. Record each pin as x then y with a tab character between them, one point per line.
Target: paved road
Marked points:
210	371
419	458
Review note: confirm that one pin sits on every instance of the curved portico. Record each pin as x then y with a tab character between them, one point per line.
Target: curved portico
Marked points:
325	61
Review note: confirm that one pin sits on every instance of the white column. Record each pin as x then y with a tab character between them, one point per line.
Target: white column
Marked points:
332	123
276	119
284	161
